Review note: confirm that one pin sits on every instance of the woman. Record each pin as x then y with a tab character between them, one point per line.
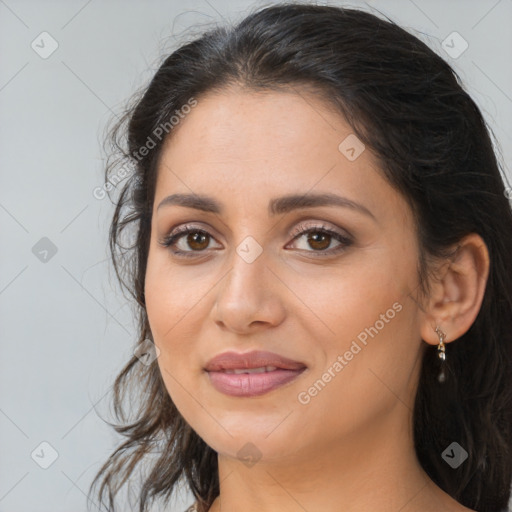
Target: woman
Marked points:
322	267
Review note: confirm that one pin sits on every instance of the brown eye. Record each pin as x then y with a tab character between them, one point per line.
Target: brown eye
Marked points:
196	240
187	241
319	240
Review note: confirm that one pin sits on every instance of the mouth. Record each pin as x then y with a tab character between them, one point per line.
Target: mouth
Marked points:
262	369
251	374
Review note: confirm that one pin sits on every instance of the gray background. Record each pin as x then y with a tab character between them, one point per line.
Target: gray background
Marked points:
66	329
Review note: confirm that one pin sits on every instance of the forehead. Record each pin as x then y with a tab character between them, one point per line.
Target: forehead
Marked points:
240	123
260	144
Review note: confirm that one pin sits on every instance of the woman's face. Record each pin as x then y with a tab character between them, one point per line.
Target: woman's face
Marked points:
342	307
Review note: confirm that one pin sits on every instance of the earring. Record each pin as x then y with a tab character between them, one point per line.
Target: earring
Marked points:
441	353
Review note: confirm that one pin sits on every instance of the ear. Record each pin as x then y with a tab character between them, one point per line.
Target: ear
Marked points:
457	291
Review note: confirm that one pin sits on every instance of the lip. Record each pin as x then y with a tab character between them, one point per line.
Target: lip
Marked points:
251	384
255	359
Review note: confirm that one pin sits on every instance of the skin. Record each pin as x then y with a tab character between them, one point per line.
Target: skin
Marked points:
351	447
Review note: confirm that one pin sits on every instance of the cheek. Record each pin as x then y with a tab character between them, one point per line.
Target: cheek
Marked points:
177	303
371	320
366	376
345	299
164	314
168	306
174	297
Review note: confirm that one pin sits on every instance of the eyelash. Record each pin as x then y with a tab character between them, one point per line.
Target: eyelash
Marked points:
345	242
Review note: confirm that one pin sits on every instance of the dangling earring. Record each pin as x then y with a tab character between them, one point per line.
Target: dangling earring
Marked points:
441	354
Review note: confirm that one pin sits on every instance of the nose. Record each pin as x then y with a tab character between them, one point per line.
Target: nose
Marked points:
249	297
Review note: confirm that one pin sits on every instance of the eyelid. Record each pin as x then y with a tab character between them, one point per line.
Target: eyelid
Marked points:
292	230
302	226
183	229
344	239
342	236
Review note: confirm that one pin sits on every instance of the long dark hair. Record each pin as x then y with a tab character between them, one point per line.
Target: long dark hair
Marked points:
408	106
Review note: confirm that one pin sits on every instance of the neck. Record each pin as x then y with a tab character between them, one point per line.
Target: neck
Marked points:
373	469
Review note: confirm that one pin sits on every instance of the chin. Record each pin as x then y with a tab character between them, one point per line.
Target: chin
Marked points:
247	439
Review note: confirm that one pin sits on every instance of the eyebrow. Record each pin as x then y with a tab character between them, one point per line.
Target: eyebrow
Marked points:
278	205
